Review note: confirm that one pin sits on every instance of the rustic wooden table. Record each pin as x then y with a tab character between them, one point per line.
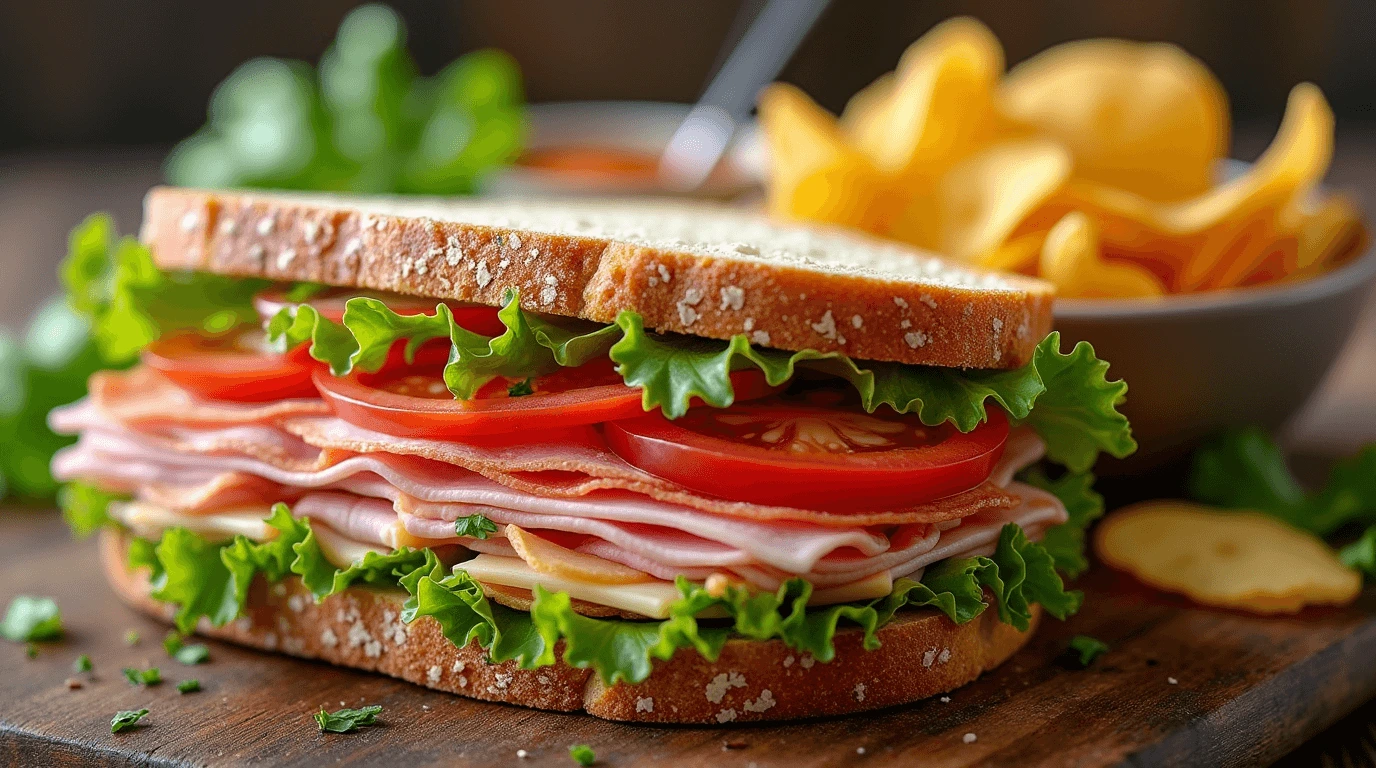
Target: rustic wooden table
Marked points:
1246	690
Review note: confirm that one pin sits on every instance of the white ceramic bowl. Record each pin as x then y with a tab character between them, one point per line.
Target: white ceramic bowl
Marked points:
1198	362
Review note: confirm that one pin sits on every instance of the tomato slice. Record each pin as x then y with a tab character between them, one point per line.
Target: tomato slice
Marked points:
239	367
478	318
800	454
414	402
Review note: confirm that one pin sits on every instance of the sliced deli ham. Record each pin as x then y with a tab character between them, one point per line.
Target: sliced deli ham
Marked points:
143	396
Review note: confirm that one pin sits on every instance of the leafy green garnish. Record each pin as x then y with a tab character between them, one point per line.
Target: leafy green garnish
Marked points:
130	302
126	719
1244	469
192	654
347	720
84	507
131	637
32	619
1066	542
1076	406
1087	649
145	677
48	367
31	650
1018	574
477	526
365	122
189	686
582	754
520	388
82	664
1361	554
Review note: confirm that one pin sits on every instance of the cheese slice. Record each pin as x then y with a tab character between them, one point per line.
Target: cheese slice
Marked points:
339	549
651	598
550	558
149	521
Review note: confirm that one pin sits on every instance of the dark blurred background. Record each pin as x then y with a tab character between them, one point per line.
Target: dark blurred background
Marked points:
94	92
133	72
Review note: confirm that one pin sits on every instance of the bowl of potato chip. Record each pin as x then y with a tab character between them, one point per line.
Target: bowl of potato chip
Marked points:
1220	291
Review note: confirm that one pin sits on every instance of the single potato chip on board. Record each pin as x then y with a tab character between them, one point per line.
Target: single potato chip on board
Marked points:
1241	560
1147	118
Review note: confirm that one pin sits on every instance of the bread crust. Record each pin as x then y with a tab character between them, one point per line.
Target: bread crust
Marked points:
779	305
923	654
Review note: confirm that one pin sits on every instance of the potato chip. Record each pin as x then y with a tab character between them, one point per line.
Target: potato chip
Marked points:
1243	560
980	202
1328	229
545	556
1203	236
938	106
1147	118
813	173
1072	260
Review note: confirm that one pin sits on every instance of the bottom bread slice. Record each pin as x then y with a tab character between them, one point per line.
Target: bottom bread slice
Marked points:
922	654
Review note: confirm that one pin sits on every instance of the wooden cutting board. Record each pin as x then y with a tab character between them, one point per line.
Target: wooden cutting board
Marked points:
1181	686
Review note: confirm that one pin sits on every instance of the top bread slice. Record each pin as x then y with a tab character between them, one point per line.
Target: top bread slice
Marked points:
685	267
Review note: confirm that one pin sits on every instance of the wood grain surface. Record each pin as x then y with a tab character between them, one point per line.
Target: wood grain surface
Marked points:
1182	686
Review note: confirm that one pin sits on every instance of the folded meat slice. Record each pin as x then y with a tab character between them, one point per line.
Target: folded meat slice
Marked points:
577	462
181	451
143	396
975	535
262	441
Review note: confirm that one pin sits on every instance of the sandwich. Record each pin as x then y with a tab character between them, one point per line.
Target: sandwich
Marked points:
659	462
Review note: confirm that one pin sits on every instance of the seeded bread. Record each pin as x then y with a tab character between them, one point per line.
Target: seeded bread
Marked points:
923	654
684	267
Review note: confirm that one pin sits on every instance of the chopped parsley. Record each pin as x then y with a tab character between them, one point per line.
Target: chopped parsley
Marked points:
131	637
189	686
31	650
347	720
30	619
1088	648
520	389
477	526
582	754
126	719
82	664
186	654
150	676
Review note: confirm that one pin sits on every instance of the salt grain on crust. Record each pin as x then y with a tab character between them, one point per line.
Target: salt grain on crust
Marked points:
916	339
726	716
433	674
969	738
483	276
826	326
764	703
719	685
859	692
266	224
645	704
760	337
311	230
514	240
286	257
328	638
190	221
732	298
453	253
898	300
857	322
229	227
